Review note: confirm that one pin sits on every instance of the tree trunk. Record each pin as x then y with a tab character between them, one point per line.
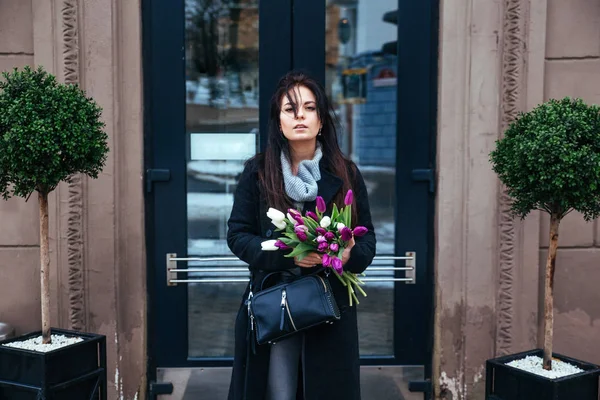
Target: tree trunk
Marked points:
45	267
549	291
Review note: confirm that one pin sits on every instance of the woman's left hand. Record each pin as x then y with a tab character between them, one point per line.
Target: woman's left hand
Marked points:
311	260
347	250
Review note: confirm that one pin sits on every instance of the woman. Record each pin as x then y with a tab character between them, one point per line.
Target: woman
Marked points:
302	161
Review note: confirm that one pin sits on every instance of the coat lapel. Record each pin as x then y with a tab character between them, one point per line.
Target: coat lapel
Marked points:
328	186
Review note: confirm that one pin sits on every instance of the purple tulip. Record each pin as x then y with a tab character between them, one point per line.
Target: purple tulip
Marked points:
360	231
326	261
346	234
296	215
349	197
301	236
329	236
320	231
322	247
321	239
312	215
336	264
334	247
321	206
281	245
300	231
300	228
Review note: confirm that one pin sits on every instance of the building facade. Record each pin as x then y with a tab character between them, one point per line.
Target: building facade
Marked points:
419	88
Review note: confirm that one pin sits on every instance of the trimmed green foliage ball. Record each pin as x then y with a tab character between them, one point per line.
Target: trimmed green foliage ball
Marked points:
549	159
48	132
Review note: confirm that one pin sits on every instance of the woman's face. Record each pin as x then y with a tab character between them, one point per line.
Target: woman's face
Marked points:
306	124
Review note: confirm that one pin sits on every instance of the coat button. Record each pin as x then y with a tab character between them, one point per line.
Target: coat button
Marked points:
269	233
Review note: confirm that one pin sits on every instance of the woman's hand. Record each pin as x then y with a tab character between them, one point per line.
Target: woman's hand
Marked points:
347	250
311	260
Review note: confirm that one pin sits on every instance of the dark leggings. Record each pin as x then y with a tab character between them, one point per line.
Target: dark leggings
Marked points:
283	368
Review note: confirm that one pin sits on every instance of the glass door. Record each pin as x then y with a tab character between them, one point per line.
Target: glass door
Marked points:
210	68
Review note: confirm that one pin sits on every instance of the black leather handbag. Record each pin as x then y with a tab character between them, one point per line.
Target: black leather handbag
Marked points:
290	307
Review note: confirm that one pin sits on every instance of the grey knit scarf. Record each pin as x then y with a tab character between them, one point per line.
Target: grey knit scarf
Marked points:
303	186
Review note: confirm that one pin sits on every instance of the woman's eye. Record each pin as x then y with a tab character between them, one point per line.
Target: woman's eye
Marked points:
310	108
288	110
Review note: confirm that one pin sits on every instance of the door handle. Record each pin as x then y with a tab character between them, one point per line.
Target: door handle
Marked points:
424	175
156	175
241	275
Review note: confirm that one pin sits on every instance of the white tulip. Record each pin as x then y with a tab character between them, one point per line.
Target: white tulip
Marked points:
269	245
278	224
275	215
325	222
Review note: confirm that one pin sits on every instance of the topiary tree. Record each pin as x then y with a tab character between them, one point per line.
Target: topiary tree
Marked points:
48	132
549	160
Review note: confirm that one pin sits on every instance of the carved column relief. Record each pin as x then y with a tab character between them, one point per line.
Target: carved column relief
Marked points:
75	259
511	90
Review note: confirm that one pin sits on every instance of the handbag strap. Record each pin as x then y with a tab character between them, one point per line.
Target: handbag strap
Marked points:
269	275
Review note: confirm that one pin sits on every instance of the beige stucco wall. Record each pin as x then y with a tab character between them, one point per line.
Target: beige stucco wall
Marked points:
19	232
498	58
96	226
572	68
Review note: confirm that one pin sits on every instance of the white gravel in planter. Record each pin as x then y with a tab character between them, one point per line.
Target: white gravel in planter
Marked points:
35	344
534	364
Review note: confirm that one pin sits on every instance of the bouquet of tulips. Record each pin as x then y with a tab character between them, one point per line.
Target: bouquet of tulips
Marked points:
325	235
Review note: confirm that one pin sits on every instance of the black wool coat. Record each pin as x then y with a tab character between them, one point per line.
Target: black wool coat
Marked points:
332	369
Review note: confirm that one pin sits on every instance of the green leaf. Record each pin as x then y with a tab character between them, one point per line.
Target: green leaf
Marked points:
310	223
291	235
289	241
49	132
334	213
549	159
289	229
301	248
348	216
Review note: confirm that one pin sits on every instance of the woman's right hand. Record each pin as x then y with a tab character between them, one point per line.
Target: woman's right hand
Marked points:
311	260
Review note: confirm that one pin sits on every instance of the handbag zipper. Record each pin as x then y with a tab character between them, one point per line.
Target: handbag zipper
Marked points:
290	315
328	297
323	282
250	314
284	304
282	317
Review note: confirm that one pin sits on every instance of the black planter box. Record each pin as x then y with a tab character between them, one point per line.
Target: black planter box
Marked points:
75	372
504	382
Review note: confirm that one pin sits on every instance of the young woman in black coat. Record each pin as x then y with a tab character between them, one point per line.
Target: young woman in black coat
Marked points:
302	160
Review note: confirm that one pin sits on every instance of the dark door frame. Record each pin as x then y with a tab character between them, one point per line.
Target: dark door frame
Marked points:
285	43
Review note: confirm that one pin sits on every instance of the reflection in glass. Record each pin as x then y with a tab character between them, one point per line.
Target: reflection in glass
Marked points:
221	128
361	80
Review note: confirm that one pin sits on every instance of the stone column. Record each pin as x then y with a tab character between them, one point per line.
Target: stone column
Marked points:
98	262
491	54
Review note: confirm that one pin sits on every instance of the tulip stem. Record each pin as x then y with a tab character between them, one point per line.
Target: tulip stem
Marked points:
350	295
361	291
339	277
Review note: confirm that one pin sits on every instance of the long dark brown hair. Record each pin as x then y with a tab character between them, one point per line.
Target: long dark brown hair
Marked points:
270	173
